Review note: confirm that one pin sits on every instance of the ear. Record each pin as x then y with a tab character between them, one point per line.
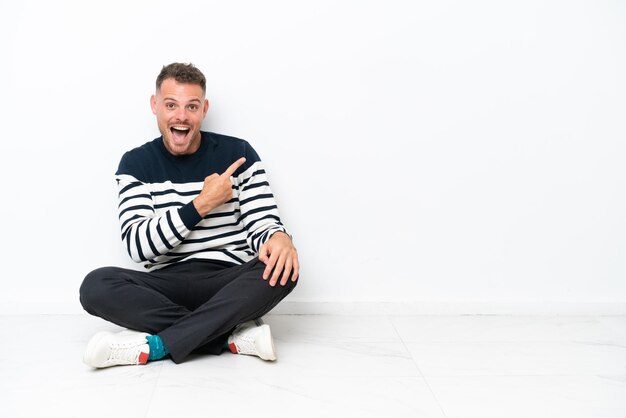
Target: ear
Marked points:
153	104
206	107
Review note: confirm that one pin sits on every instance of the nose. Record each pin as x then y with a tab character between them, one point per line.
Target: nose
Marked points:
181	114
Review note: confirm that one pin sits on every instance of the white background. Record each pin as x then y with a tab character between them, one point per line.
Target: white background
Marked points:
449	155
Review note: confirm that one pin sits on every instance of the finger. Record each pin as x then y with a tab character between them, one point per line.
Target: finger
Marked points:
209	179
278	270
286	272
234	166
269	266
296	269
263	253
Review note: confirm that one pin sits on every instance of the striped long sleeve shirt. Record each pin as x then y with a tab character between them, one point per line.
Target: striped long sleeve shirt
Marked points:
159	222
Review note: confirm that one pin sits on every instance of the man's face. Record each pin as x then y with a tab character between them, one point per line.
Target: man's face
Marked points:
179	109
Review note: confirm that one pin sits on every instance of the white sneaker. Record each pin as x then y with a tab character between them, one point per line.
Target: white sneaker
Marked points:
107	349
253	339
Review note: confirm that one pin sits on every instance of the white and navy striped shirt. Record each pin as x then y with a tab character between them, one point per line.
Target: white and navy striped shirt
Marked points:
159	222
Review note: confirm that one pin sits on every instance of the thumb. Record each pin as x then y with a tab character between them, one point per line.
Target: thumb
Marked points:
264	253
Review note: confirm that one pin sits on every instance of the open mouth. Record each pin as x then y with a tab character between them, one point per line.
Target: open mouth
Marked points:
179	133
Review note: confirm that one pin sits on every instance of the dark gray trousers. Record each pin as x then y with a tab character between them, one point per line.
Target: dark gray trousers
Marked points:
193	306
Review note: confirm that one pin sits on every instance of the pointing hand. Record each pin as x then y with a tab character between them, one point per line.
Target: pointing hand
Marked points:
217	189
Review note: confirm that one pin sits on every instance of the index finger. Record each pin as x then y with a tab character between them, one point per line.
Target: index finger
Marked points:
234	166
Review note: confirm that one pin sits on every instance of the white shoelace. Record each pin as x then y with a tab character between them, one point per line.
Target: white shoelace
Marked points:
245	343
125	354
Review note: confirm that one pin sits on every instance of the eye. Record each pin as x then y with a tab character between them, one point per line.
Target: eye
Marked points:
192	107
170	105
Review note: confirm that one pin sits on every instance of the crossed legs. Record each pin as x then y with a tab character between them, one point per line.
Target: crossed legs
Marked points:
192	306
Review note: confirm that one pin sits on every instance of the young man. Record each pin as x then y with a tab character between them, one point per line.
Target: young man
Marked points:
196	208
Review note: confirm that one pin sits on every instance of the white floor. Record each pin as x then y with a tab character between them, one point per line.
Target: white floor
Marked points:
333	366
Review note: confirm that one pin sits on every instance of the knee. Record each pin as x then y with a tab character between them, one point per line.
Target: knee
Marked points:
291	284
93	290
287	287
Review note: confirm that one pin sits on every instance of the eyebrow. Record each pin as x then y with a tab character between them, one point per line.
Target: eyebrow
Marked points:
174	100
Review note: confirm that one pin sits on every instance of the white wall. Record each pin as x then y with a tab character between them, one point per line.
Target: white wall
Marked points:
456	155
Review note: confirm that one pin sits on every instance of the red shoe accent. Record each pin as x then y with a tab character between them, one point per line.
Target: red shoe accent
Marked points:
143	357
233	348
